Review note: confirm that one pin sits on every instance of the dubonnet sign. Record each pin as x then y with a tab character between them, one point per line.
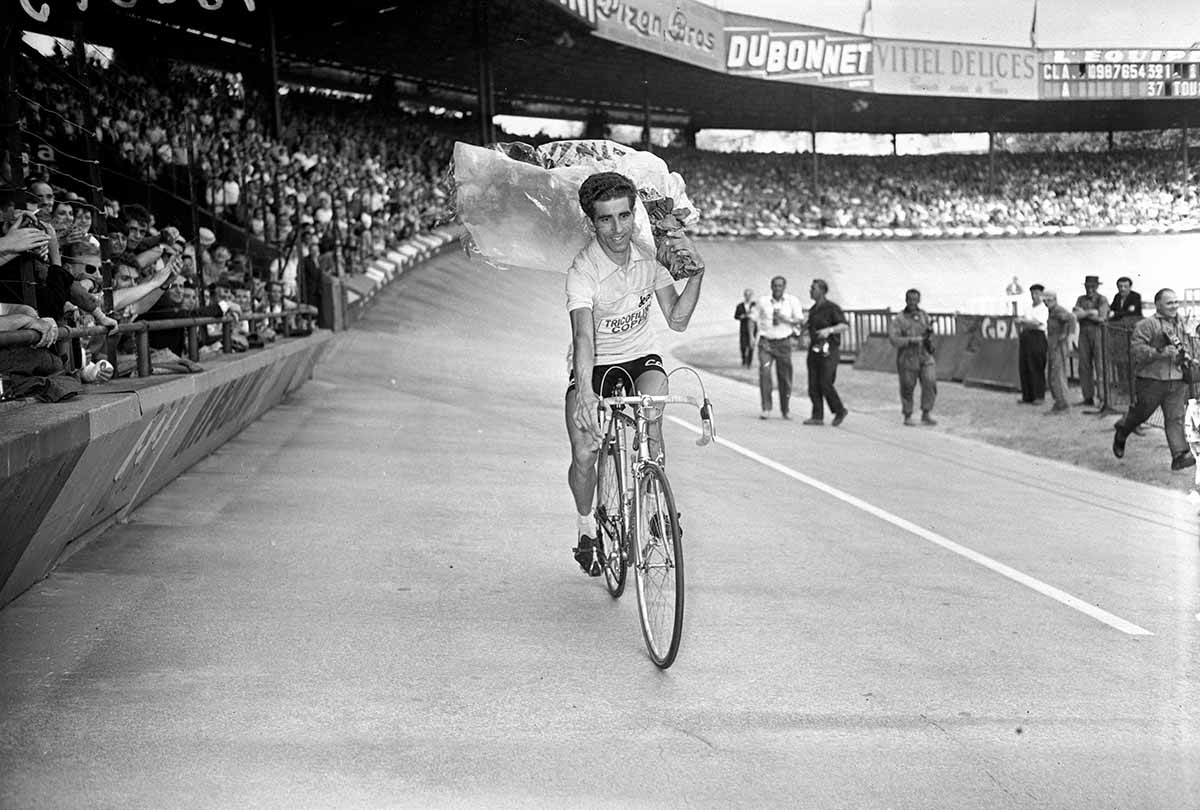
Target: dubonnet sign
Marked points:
784	52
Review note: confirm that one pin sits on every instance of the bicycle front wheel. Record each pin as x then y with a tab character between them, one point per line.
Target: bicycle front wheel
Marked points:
658	566
611	522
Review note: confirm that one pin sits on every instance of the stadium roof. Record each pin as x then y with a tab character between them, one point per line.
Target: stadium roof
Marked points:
546	63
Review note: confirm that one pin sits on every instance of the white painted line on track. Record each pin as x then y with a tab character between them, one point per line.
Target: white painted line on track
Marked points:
1065	598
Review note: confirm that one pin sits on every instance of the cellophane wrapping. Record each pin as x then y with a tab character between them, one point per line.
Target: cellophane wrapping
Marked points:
520	204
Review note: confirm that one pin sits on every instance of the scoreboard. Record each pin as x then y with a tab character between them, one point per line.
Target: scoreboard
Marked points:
1119	74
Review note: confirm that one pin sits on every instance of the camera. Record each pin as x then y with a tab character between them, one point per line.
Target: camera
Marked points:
1183	358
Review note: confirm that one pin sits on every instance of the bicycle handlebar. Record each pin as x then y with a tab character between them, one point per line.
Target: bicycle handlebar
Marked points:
708	430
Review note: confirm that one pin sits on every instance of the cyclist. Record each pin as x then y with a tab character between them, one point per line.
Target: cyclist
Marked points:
610	285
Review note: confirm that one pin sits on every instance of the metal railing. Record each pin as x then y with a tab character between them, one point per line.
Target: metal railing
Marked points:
867	322
293	323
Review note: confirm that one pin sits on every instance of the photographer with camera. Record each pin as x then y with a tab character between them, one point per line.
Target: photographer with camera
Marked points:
911	332
1163	351
54	287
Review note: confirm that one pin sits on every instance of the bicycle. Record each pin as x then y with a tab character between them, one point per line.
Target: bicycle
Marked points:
637	524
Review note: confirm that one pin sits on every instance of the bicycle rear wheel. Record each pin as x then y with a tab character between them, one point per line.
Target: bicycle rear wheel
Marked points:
658	566
612	525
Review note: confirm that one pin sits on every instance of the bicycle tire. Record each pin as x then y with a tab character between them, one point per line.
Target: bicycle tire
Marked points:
612	523
658	566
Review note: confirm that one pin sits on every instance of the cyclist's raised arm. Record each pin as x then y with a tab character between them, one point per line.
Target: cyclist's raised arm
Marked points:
678	307
583	347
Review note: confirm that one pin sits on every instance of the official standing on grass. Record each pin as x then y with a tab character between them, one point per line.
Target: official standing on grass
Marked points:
746	314
1059	325
826	325
779	314
1031	347
911	332
1091	311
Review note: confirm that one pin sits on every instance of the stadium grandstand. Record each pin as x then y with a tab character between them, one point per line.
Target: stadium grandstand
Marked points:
198	196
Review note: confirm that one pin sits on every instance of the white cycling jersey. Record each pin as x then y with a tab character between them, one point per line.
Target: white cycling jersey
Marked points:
620	299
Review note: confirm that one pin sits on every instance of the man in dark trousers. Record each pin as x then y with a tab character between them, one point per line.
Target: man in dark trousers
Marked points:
1161	347
1031	347
826	325
746	315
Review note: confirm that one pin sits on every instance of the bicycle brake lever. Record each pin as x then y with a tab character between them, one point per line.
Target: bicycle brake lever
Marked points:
708	428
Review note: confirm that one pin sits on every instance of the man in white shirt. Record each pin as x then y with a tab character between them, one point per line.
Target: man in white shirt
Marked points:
1031	347
779	314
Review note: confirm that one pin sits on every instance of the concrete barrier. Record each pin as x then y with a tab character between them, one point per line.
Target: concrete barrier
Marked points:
994	363
951	351
876	353
67	469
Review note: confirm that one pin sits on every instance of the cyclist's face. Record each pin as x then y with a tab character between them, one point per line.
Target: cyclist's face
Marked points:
614	226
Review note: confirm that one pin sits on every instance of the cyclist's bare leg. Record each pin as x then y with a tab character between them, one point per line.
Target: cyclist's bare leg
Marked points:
654	383
581	475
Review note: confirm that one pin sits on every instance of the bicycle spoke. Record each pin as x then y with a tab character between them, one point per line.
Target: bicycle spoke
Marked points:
610	518
659	569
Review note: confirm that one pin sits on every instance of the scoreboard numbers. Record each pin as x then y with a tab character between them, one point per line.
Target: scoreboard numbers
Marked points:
1096	79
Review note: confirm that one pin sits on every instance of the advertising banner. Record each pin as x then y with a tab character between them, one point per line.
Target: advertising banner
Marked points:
677	29
769	49
961	71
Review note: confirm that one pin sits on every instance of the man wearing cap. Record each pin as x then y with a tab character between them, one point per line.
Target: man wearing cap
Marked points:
1031	347
1091	310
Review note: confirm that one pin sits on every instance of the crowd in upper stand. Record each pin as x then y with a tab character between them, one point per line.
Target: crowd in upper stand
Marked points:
774	195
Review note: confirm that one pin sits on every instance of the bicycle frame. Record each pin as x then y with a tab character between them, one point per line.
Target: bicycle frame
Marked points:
634	468
650	544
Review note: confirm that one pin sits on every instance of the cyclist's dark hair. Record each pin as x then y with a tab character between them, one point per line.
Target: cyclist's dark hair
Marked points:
605	186
820	282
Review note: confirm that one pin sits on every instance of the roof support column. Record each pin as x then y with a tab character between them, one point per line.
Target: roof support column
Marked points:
812	107
645	107
483	58
271	79
95	193
991	162
12	148
1185	155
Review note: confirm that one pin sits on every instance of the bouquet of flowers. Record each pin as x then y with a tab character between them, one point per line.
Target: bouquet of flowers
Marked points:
520	203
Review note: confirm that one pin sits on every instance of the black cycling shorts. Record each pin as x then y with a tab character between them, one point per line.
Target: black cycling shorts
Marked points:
626	372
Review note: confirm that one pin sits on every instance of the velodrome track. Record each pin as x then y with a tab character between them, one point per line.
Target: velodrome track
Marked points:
367	600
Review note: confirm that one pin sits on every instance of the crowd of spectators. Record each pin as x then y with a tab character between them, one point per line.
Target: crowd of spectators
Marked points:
944	195
343	179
